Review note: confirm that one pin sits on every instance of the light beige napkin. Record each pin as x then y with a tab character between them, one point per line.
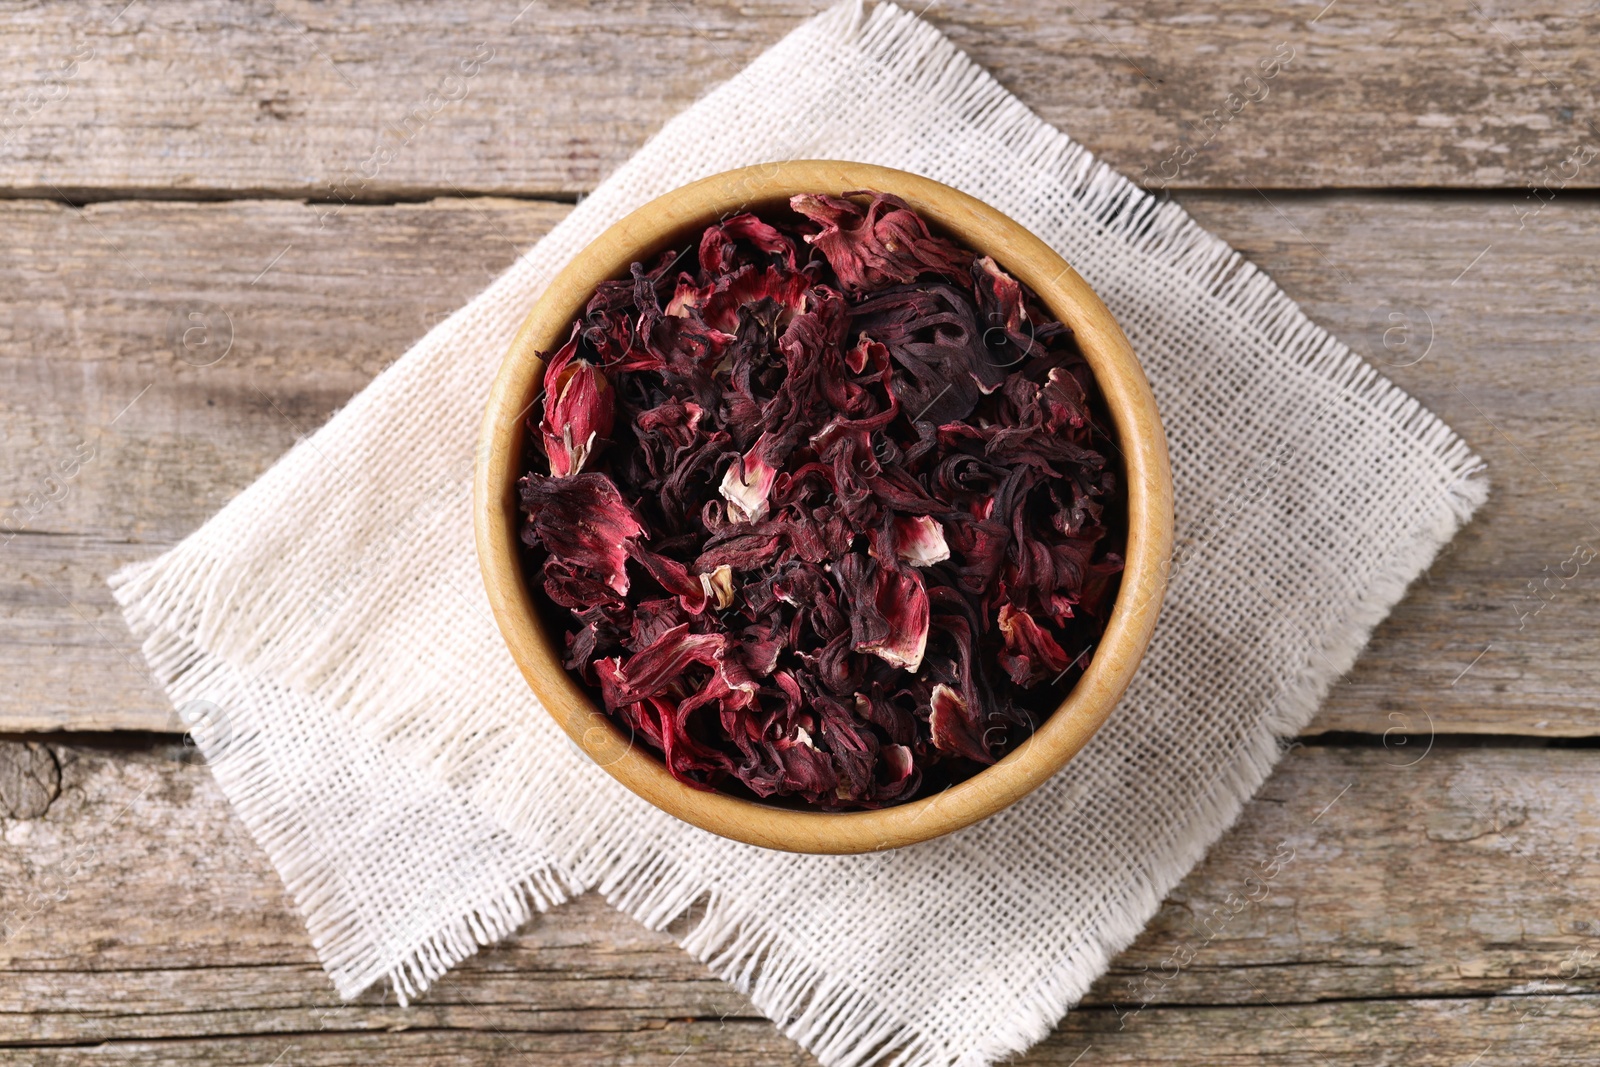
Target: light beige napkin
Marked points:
328	638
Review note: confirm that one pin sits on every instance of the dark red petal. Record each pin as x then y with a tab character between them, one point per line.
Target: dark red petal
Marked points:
652	669
981	549
953	726
689	759
742	548
903	601
652	618
689	297
675	578
577	417
806	770
852	746
919	540
1009	332
891	717
582	521
675	423
729	296
867	354
718	244
575	587
884	243
897	763
1064	400
1031	654
758	648
935	342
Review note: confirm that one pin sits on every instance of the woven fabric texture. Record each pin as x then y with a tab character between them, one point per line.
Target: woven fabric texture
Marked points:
328	637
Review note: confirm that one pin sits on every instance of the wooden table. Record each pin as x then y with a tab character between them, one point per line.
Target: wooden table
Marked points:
1420	177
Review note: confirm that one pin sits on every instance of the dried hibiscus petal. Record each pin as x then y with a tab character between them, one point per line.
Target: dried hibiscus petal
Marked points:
747	482
919	540
578	410
582	521
1031	655
883	244
891	619
827	497
952	726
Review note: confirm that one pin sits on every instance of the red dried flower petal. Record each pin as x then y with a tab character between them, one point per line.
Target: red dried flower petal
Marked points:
1005	308
578	410
866	354
902	601
932	335
884	244
743	548
583	522
729	296
691	590
650	670
719	243
897	762
953	727
919	540
1031	655
1065	402
806	770
664	724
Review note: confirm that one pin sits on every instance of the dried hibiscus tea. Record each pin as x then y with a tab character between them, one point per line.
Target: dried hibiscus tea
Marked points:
824	506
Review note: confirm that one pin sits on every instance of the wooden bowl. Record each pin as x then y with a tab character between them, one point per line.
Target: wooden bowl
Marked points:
668	220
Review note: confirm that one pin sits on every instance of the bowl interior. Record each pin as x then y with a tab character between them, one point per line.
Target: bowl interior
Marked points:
1135	425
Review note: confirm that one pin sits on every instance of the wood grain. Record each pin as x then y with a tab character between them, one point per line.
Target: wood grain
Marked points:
120	438
370	101
1485	315
1394	895
1415	914
87	295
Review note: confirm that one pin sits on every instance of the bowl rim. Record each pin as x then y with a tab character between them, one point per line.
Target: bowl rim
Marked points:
1140	439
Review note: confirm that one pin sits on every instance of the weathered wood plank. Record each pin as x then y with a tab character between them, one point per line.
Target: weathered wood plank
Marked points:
1360	912
86	297
150	344
121	435
1539	1028
667	1047
1488	316
67	661
377	101
1413	1033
